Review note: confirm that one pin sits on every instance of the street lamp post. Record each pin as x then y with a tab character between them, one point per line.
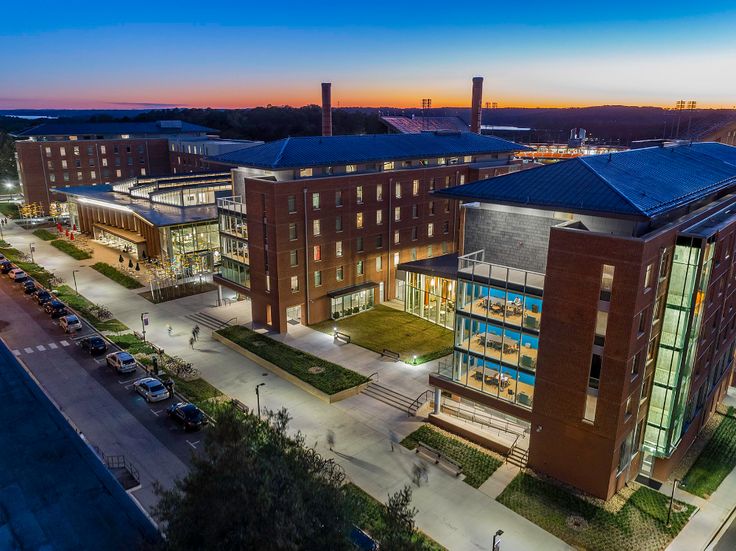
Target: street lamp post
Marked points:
74	277
32	248
144	323
672	499
258	398
497	540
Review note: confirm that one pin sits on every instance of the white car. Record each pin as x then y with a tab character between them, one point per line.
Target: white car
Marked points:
70	323
122	362
151	389
17	274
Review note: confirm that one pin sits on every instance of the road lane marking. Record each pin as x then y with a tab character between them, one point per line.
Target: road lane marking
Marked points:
28	350
80	337
156	411
53	346
193	444
16	352
40	348
64	343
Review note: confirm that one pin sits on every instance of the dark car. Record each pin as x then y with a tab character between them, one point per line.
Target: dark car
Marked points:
188	415
42	296
94	345
55	308
5	267
29	286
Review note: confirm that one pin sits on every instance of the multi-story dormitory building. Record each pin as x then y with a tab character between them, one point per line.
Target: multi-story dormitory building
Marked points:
317	225
595	311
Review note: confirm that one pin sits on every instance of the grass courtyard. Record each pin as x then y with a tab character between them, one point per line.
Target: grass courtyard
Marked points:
385	327
640	523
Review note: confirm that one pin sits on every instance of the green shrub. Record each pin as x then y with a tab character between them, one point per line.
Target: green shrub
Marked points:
10	210
88	310
46	235
116	275
35	271
332	379
70	249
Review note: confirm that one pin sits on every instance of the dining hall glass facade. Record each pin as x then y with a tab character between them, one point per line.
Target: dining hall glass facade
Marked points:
497	320
431	298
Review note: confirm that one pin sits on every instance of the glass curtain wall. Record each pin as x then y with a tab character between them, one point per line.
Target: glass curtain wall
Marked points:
431	298
192	248
353	303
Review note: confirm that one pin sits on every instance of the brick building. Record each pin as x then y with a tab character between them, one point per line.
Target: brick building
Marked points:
594	323
317	225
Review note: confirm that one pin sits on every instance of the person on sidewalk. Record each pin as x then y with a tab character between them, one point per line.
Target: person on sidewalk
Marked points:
191	342
331	439
169	328
393	438
196	332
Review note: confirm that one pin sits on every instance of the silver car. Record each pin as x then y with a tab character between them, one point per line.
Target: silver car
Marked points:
122	362
151	389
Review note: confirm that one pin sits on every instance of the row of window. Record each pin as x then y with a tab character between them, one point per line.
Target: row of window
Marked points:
76	150
387	165
359	223
91	162
92	175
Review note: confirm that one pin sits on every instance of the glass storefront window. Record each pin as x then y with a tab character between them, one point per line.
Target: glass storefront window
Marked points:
493	378
353	303
431	298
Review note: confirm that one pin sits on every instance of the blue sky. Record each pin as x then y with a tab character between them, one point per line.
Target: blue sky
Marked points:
236	54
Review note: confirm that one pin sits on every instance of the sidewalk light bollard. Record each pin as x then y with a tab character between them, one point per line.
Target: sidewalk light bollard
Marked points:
672	499
74	277
32	248
144	323
258	398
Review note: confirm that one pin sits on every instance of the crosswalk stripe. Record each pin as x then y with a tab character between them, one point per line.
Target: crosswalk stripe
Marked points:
16	352
40	348
64	343
53	346
28	350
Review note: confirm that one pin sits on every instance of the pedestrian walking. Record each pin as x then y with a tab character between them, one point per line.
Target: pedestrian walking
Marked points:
169	328
194	335
196	332
331	439
393	438
419	473
191	342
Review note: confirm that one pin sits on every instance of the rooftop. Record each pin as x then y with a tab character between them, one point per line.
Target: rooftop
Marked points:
642	183
440	266
156	214
73	128
335	150
415	125
54	492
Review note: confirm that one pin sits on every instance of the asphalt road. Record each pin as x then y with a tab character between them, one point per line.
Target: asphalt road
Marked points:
101	403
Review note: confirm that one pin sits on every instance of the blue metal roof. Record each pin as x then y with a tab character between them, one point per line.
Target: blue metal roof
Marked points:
335	150
638	183
56	128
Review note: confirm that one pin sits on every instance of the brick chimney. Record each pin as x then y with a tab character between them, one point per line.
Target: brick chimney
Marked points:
327	109
475	107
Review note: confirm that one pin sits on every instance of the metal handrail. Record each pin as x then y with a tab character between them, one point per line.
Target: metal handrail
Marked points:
418	401
227	323
374	373
512	448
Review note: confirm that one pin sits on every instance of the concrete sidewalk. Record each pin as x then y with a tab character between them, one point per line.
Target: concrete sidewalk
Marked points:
455	514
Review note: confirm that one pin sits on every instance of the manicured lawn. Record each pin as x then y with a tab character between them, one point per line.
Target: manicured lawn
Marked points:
715	462
9	209
385	327
116	275
368	516
639	524
328	377
37	272
87	309
46	235
130	343
70	249
477	465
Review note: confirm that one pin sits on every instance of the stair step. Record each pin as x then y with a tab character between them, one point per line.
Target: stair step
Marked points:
388	396
204	319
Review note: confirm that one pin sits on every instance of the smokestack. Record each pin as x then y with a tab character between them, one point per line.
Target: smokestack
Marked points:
327	109
475	107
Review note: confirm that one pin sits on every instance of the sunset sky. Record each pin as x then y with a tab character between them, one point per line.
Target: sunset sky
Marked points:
242	54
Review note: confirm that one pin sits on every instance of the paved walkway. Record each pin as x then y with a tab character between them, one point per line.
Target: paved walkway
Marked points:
450	511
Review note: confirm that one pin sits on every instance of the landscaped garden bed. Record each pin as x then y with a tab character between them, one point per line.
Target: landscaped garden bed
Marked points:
477	465
10	210
95	314
35	271
325	376
116	275
70	249
640	523
385	327
715	462
44	234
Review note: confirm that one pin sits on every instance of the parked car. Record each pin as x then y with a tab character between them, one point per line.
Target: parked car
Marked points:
17	275
55	308
2	257
6	266
94	345
151	389
29	286
42	296
70	323
122	362
188	415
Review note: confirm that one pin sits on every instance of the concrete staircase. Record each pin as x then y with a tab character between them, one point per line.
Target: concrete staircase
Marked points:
206	320
518	456
388	396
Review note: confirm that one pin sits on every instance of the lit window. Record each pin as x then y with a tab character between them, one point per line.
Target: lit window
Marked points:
339	273
379	192
648	276
316	227
601	323
396	259
379	263
397	189
388	165
103	149
415	188
397	213
118	173
62	150
338	249
294	284
317	253
396	237
359	194
76	150
143	171
48	151
350	168
104	161
92	174
52	177
359	268
293	258
379	217
317	278
430	229
79	176
359	220
315	201
441	161
606	282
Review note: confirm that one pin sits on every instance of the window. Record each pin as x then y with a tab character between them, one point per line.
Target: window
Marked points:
317	278
76	150
397	214
359	269
91	161
447	206
379	192
379	217
396	237
89	150
78	163
116	149
65	166
305	172
446	227
388	165
351	168
93	174
415	187
104	161
292	232
396	259
431	184
415	211
414	253
600	327
430	230
316	227
50	165
445	248
379	263
648	277
430	254
48	151
359	220
315	201
414	234
52	177
294	284
291	202
103	149
642	321
441	161
339	273
606	282
79	176
338	198
62	150
628	409
359	194
317	253
379	241
338	249
430	208
397	188
359	245
293	258
66	176
635	365
625	452
338	223
118	173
